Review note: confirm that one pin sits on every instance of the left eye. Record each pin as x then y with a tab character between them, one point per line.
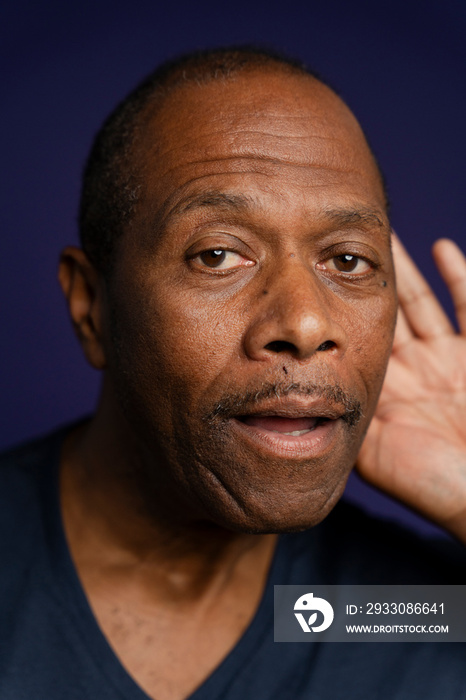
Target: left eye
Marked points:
221	259
348	263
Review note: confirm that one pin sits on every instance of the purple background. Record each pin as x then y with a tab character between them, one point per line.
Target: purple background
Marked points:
400	65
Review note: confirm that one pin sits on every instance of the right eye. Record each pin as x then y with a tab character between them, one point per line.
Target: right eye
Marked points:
220	259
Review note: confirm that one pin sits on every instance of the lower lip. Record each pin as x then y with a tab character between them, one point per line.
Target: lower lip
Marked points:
310	445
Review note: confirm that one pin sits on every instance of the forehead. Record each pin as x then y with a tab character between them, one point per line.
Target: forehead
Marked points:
282	132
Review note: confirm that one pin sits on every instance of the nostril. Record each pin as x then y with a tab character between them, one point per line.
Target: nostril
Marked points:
278	346
326	346
281	346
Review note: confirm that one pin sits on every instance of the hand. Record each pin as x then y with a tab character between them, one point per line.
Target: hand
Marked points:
415	448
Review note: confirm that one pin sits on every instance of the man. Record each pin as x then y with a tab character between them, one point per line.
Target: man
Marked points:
237	289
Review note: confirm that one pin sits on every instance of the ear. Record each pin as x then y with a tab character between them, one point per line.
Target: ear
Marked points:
83	288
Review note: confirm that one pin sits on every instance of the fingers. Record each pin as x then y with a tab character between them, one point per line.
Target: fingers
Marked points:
423	313
451	263
403	333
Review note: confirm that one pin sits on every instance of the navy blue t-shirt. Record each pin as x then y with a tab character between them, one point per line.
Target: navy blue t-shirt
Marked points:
51	647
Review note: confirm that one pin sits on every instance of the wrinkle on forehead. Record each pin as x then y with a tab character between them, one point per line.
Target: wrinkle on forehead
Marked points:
164	201
294	120
303	153
297	129
184	170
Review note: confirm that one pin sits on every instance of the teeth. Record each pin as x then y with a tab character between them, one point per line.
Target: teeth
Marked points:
295	433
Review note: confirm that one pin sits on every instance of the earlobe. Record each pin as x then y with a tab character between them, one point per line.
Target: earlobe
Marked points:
82	287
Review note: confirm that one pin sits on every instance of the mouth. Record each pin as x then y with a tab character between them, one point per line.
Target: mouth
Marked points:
292	430
293	427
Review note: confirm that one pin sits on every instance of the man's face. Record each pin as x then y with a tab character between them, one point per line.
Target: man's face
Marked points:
252	305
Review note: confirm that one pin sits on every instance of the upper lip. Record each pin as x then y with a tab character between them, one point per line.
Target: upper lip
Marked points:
294	407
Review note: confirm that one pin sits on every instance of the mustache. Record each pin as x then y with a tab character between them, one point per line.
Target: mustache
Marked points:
232	405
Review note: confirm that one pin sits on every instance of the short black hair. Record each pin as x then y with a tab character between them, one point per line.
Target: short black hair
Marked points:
111	184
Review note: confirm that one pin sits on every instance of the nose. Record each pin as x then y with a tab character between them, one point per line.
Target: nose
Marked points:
297	315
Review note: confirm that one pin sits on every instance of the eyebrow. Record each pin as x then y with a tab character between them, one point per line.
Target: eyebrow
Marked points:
346	217
214	198
241	202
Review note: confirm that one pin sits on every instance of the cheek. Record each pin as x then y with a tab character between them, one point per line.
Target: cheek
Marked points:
176	340
371	341
199	340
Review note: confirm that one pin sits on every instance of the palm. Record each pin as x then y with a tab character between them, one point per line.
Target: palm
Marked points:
416	445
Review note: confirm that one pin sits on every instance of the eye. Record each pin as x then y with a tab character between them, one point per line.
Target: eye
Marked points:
220	259
347	263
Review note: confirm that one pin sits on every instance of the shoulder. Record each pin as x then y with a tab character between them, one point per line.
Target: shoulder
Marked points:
35	459
23	466
351	546
28	486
